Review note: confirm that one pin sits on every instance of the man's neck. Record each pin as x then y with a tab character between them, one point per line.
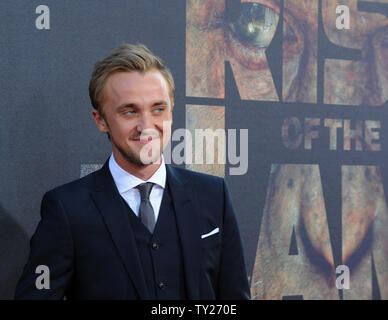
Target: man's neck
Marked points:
143	172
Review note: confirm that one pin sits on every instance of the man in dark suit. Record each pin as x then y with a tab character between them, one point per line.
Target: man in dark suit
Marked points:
137	228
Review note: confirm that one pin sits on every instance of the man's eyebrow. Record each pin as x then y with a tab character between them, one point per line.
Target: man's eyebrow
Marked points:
159	103
125	106
133	105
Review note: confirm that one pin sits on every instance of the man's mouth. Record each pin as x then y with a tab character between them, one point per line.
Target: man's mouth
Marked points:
145	140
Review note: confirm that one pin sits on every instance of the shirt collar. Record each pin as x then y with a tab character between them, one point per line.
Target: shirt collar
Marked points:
126	181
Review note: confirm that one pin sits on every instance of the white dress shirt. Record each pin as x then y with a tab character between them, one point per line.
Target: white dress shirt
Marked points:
126	184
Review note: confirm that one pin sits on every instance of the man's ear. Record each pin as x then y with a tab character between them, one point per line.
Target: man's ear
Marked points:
100	121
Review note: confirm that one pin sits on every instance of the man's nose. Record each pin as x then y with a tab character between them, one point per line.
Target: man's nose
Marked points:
145	122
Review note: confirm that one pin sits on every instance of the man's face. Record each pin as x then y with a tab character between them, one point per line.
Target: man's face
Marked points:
137	114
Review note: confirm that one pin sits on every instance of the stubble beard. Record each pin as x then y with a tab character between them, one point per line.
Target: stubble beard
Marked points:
133	157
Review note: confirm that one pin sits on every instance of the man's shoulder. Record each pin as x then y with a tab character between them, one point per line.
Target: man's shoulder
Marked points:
199	180
190	174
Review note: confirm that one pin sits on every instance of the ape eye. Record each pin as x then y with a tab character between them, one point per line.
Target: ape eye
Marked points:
255	25
249	30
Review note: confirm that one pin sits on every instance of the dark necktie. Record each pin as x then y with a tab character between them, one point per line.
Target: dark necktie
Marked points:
146	212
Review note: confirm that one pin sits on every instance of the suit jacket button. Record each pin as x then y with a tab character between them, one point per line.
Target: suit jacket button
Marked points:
155	246
161	285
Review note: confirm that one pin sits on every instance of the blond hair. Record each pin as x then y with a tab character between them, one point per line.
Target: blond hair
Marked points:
126	58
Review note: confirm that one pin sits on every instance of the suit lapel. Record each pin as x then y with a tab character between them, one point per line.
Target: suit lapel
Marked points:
115	215
184	202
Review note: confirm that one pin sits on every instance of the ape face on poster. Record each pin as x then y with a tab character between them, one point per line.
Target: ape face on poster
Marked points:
309	80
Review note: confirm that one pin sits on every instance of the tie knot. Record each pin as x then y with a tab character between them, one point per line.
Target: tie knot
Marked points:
145	190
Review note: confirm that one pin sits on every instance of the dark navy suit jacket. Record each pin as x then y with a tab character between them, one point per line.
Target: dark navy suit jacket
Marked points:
85	239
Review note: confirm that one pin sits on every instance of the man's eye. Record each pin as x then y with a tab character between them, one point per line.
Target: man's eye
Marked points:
159	110
130	112
255	25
